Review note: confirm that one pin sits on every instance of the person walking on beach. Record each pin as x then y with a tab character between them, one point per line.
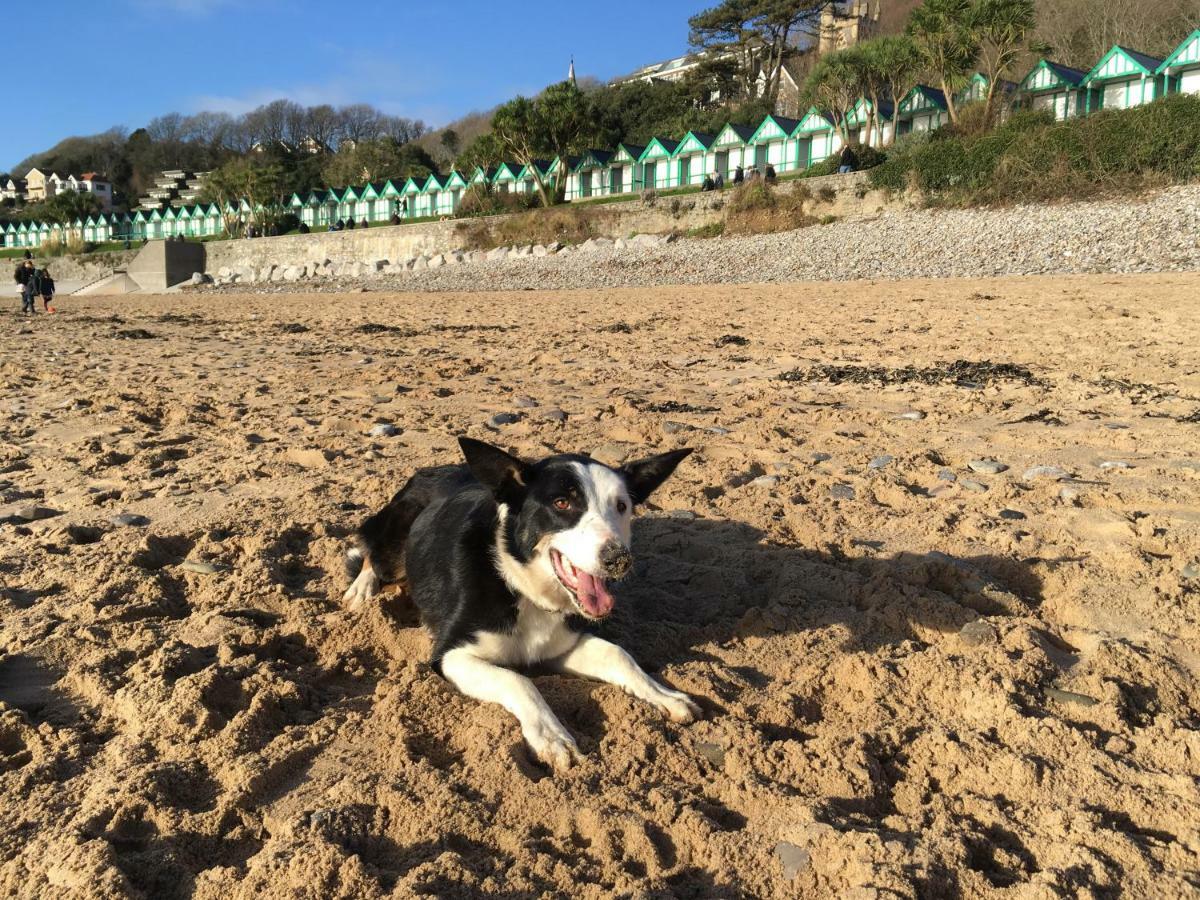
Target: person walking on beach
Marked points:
26	278
46	288
849	160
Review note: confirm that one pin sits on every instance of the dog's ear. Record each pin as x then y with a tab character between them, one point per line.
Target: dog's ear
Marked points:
645	475
496	470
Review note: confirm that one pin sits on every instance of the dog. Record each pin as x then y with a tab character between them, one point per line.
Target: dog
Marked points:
502	558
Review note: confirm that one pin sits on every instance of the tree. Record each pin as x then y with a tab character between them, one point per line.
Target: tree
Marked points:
897	62
759	33
834	85
66	207
550	126
483	152
942	31
376	160
260	184
449	141
1003	30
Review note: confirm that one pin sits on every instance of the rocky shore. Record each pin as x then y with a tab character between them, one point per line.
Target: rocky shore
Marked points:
1157	233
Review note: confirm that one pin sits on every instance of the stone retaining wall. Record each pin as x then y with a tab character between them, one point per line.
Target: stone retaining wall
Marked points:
659	215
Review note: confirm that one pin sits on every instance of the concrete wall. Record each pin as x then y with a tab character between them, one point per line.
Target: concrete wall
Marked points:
394	243
163	264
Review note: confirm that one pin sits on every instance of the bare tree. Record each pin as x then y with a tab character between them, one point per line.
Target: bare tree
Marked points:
359	122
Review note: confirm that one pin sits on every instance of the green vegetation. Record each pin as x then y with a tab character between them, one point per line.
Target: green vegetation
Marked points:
1032	157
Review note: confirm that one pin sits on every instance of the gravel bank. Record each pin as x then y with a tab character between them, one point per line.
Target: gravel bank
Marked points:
1157	233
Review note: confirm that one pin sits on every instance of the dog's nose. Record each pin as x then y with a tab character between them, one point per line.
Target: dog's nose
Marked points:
617	560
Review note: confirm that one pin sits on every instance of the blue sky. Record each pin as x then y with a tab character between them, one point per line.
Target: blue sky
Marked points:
130	60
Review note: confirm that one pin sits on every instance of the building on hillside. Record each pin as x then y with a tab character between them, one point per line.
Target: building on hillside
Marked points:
37	186
313	147
623	168
1123	79
13	189
846	24
1053	86
789	99
729	149
922	109
1180	71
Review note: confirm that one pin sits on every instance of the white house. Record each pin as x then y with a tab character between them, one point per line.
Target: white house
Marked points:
1053	86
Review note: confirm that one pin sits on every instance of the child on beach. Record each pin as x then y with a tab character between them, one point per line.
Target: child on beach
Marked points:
47	289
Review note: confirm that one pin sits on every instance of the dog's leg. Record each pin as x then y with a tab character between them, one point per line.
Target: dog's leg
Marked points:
594	657
544	734
364	587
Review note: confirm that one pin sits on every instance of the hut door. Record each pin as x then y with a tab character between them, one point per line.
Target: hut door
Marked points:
760	156
685	170
648	180
723	163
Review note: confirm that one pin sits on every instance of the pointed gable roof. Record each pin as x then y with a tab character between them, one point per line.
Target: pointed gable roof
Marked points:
1121	62
1049	75
1186	54
591	159
733	135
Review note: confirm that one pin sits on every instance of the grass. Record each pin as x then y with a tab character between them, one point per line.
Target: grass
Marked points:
760	208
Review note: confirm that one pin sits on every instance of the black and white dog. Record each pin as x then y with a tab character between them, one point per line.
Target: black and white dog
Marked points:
497	554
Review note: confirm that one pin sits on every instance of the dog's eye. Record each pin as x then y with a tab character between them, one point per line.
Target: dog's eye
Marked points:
562	503
621	506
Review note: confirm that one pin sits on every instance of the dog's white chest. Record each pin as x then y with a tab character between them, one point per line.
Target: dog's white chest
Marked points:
538	635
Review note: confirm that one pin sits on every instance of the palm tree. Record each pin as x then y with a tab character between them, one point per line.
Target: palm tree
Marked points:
1003	30
898	62
942	31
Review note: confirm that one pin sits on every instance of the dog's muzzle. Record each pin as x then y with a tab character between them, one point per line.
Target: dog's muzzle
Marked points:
616	560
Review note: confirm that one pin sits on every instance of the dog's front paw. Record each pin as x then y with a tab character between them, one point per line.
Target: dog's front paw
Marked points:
677	706
551	743
362	589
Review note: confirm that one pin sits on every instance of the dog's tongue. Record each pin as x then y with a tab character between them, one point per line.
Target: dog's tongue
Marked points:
593	595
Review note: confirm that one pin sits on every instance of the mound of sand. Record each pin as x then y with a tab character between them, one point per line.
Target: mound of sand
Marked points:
936	590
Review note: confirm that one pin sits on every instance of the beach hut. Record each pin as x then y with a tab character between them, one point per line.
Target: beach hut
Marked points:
623	169
89	229
23	235
431	194
922	109
653	166
369	205
587	175
1180	71
1123	79
817	137
10	235
410	194
456	184
505	179
728	148
545	170
857	118
693	159
482	177
390	197
772	144
297	206
1053	86
44	231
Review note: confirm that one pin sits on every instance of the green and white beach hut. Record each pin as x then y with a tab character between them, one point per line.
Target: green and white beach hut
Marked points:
432	199
370	206
89	229
817	137
588	175
922	109
546	171
410	196
693	159
456	184
391	196
1053	86
483	177
44	231
23	235
729	148
857	118
773	144
1180	72
10	235
623	169
505	179
654	165
1123	79
975	90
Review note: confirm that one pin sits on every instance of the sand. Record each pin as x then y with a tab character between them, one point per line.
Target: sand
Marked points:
913	686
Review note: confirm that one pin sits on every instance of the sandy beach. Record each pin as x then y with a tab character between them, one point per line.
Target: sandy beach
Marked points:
933	574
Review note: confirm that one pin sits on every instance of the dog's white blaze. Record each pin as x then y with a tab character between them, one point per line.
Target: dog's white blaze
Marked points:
601	522
534	580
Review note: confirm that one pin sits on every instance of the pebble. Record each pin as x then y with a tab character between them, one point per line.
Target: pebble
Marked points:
986	466
914	415
765	481
842	492
714	753
1012	514
129	520
685	514
675	427
794	859
821	457
525	403
1115	464
978	633
34	513
1069	494
947	475
715	429
880	461
387	429
1070	697
971	484
202	568
504	418
1191	571
1046	472
554	415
